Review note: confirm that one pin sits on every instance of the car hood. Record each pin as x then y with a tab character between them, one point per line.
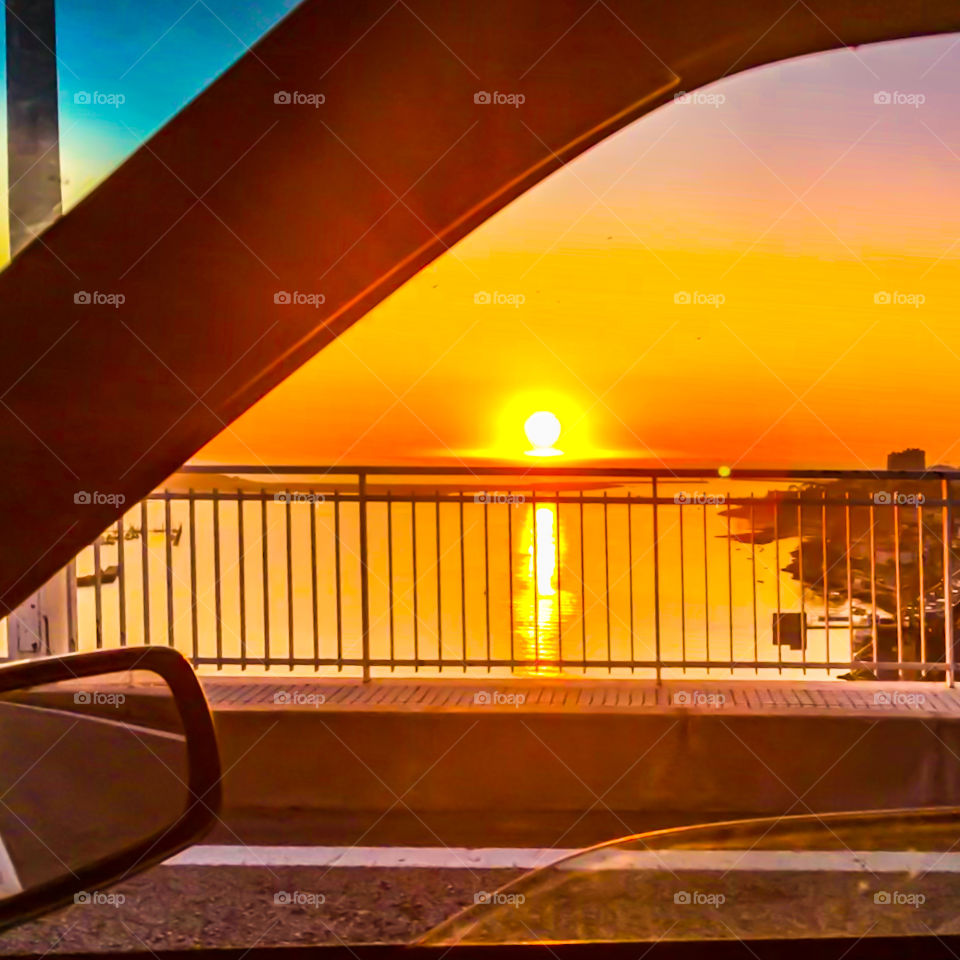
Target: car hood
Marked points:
832	875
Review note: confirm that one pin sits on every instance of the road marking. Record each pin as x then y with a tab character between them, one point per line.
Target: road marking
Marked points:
527	858
486	858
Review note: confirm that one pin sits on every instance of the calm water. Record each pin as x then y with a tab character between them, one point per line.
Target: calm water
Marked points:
536	584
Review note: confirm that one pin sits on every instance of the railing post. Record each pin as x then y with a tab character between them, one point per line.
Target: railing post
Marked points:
145	566
656	581
97	593
947	581
364	587
168	558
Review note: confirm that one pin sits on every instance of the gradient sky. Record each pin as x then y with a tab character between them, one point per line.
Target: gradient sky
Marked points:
158	53
798	198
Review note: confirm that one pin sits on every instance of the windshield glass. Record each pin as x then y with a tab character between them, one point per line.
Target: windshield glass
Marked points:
441	672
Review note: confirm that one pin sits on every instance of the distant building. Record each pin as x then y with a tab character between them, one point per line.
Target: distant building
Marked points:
909	459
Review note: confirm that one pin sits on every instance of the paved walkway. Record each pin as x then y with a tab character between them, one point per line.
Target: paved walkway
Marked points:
582	696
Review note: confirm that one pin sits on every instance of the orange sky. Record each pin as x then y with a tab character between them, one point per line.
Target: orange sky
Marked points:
799	201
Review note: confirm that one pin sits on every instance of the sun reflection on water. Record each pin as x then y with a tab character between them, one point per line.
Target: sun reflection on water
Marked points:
541	603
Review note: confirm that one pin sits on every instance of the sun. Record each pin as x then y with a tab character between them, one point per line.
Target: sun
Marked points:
543	430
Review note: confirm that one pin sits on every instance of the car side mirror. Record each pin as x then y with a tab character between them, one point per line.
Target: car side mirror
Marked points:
108	765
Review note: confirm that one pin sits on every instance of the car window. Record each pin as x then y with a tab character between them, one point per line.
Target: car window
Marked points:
758	273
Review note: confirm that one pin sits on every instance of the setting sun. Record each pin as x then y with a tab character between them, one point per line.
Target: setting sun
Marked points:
543	431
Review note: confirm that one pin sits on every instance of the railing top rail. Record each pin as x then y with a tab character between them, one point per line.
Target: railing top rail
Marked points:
524	470
452	495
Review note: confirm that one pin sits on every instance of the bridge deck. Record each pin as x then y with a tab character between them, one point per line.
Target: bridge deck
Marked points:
551	695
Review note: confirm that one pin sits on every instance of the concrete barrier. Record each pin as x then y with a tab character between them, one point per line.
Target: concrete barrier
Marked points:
669	762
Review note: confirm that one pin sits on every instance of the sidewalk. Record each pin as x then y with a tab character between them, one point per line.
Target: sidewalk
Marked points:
525	696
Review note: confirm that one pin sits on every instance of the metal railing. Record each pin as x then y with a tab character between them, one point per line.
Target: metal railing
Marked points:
547	571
